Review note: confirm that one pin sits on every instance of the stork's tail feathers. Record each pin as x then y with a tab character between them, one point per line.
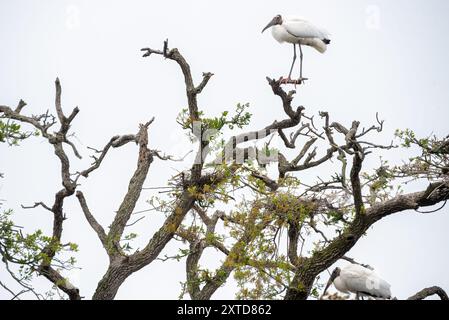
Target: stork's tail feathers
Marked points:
320	45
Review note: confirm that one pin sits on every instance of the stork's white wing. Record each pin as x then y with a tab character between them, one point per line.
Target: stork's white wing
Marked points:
303	29
360	279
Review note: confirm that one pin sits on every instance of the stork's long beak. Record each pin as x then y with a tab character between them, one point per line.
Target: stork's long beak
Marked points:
327	287
329	282
272	23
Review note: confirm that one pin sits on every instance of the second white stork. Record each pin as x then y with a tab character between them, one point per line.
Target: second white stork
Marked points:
298	31
362	281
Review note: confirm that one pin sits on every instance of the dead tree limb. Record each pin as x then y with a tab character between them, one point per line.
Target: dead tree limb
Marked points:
427	292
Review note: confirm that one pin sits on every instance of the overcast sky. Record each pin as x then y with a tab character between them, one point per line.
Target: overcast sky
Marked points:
388	57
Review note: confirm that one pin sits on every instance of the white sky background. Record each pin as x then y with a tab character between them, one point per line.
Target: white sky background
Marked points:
385	56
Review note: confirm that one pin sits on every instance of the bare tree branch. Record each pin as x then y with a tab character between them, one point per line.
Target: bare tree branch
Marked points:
91	219
427	292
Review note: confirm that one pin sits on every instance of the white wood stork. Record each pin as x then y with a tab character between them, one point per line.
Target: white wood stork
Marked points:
357	279
298	32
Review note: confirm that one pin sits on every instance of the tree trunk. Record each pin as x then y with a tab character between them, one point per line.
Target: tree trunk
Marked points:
112	280
301	286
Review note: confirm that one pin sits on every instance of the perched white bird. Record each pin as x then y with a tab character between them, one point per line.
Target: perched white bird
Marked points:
298	32
357	279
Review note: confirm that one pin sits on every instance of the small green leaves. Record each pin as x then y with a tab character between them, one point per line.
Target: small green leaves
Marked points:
240	119
27	252
126	247
407	136
73	247
11	134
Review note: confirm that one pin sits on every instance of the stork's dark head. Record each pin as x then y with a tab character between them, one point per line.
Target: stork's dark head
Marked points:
333	276
275	21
